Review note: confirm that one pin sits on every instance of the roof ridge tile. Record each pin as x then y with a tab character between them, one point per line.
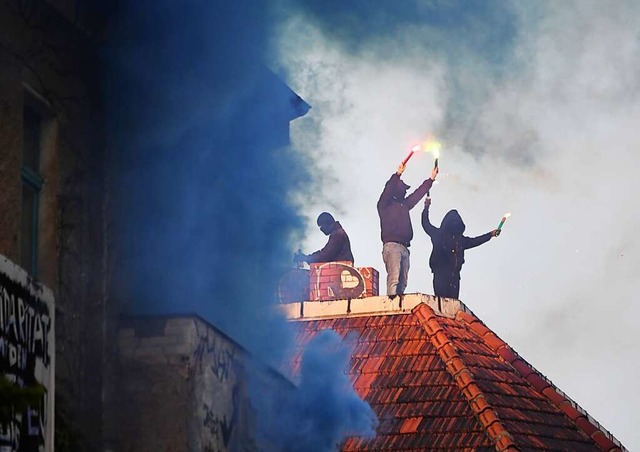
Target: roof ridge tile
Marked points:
578	416
476	399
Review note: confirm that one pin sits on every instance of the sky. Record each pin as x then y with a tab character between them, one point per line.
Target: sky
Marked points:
537	106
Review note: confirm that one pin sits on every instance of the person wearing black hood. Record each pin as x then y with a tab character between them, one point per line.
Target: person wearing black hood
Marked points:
447	255
338	248
395	227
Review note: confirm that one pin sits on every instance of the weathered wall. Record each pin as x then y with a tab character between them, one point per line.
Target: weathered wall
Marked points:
10	156
27	355
46	56
183	386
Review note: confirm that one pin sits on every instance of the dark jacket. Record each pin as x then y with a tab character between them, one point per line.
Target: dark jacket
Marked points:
448	242
338	248
393	209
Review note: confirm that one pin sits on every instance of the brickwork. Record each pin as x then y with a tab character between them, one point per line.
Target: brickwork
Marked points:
371	281
340	280
10	159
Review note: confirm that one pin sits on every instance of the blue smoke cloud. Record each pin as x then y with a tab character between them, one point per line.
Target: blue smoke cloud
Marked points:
203	169
324	409
202	177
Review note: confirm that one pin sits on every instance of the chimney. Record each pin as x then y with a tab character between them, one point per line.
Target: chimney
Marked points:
326	281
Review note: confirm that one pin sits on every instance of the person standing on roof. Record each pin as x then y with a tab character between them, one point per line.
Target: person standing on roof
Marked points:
447	255
338	248
395	227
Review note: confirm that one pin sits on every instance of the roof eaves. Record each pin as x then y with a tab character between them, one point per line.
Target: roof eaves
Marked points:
463	377
586	423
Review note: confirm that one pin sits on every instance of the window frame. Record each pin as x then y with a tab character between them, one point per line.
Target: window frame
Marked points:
31	178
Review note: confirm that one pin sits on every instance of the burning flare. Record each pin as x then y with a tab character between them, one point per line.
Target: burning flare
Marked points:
432	146
504	218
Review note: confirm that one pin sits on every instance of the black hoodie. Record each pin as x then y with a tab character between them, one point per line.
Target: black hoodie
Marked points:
338	248
448	242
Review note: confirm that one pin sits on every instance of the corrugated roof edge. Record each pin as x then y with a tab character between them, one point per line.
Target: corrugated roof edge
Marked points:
463	377
585	422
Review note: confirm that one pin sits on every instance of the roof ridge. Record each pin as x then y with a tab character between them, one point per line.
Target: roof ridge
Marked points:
465	380
586	423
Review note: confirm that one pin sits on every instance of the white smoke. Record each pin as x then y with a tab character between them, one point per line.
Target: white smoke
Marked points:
549	133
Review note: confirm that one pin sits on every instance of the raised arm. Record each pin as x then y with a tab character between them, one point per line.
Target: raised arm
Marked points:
413	199
388	191
426	224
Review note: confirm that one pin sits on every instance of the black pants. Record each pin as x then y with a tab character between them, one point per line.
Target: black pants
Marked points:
446	284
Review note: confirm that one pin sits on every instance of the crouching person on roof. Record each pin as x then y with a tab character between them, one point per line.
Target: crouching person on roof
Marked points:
447	255
338	248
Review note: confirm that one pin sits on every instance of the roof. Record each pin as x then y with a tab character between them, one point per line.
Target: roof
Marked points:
439	378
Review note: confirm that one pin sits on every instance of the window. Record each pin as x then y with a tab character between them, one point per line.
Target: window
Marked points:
32	182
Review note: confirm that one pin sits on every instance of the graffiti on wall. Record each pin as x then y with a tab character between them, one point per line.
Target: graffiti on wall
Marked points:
224	407
218	356
26	353
344	281
221	426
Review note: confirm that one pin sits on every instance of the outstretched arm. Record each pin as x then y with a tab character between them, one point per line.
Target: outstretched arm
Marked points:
426	224
472	242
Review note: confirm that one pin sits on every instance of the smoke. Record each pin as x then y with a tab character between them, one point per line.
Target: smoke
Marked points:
537	106
205	187
203	170
324	409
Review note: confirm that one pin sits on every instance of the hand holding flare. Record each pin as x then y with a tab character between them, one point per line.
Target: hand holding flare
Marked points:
429	146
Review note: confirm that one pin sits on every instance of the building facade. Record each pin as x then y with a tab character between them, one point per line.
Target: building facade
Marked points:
52	190
59	169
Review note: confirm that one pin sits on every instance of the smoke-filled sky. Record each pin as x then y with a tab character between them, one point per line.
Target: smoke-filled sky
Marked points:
538	107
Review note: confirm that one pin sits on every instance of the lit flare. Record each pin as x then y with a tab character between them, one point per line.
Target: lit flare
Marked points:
414	149
434	147
504	218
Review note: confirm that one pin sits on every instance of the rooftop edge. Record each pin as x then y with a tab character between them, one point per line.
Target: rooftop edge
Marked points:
380	305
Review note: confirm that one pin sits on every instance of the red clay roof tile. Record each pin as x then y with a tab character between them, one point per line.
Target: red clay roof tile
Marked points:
410	425
452	384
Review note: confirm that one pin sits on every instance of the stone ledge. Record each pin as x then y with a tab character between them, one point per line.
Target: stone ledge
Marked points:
382	305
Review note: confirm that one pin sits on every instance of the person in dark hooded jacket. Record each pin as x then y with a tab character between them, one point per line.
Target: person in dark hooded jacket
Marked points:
447	255
338	248
395	227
